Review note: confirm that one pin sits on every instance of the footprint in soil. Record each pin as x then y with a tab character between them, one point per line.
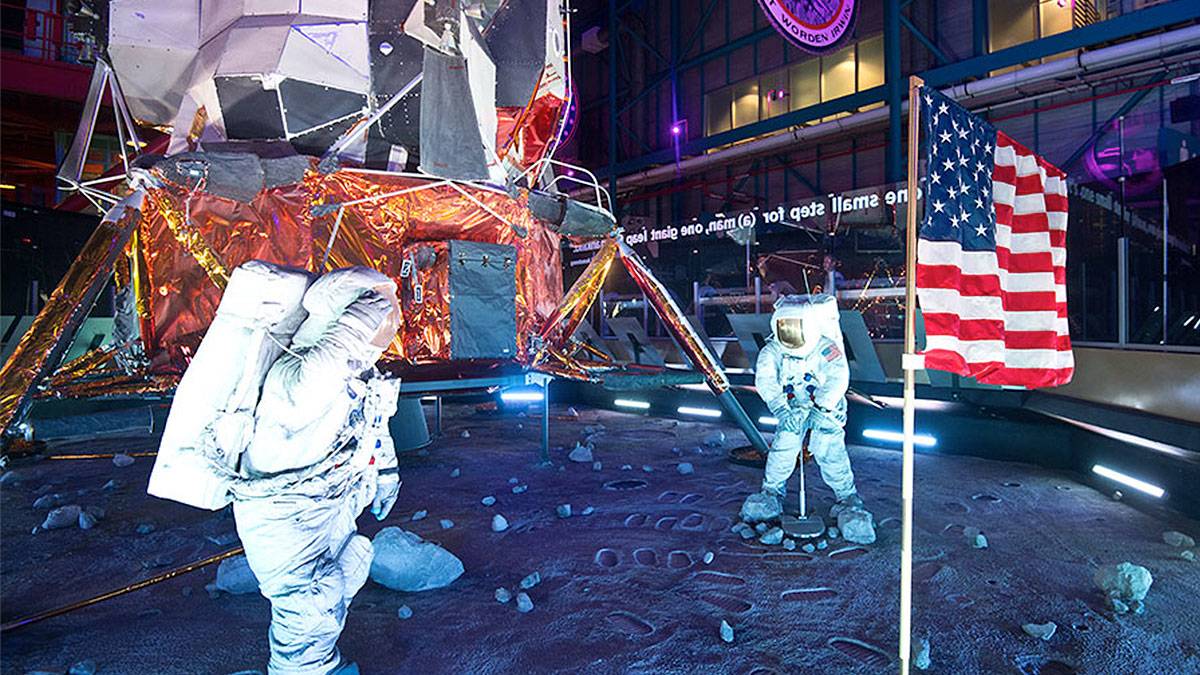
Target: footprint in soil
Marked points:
606	557
848	552
666	523
693	522
728	603
985	497
679	560
646	557
808	594
1040	665
670	497
635	520
956	507
630	624
860	651
720	578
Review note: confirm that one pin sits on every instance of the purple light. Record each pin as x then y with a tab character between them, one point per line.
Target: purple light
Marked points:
675	129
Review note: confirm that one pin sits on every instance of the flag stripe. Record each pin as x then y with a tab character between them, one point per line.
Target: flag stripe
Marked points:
991	258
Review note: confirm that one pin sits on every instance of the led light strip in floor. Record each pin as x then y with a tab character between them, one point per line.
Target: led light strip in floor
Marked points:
1130	481
923	440
699	412
631	403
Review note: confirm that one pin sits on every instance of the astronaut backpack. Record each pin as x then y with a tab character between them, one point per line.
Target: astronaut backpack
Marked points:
212	415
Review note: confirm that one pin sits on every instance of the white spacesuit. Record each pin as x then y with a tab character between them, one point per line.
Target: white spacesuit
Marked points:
802	375
319	454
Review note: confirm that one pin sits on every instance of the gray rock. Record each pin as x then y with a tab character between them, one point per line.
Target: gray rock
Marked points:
456	473
446	523
420	515
626	467
533	579
920	654
761	506
465	434
488	500
708	557
1178	539
47	501
647	468
503	595
789	544
235	576
738	527
1188	555
63	516
809	548
760	528
588	511
1117	495
518	489
9	477
121	459
520	426
772	537
572	412
979	541
726	632
685	468
833	533
513	481
87	520
405	612
746	533
1044	631
596	466
857	526
593	429
524	604
581	453
112	485
714	439
499	523
87	667
822	545
1125	585
563	510
405	562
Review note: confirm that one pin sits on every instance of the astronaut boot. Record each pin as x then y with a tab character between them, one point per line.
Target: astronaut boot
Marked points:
854	520
762	506
851	501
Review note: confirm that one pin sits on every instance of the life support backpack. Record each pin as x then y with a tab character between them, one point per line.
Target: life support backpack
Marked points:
211	420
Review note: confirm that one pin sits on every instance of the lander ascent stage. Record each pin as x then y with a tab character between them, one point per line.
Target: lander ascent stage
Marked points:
413	137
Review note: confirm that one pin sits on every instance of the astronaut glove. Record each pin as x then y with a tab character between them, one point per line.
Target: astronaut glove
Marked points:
832	417
790	422
387	489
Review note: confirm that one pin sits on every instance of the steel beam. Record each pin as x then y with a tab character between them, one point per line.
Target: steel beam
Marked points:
1126	25
894	88
979	27
924	39
793	118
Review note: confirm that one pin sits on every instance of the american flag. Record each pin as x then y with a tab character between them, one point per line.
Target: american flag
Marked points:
991	258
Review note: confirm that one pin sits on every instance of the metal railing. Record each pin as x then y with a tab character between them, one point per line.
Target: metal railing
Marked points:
41	34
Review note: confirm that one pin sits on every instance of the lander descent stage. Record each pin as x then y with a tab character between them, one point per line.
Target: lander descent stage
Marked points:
415	137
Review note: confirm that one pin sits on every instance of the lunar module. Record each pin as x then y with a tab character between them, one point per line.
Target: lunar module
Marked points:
415	137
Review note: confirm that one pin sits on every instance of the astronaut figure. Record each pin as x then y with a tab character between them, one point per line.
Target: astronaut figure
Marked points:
319	454
802	375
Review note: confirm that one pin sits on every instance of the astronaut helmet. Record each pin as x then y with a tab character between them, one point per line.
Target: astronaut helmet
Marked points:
799	321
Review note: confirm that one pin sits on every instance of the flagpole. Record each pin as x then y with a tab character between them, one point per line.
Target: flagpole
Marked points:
910	365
